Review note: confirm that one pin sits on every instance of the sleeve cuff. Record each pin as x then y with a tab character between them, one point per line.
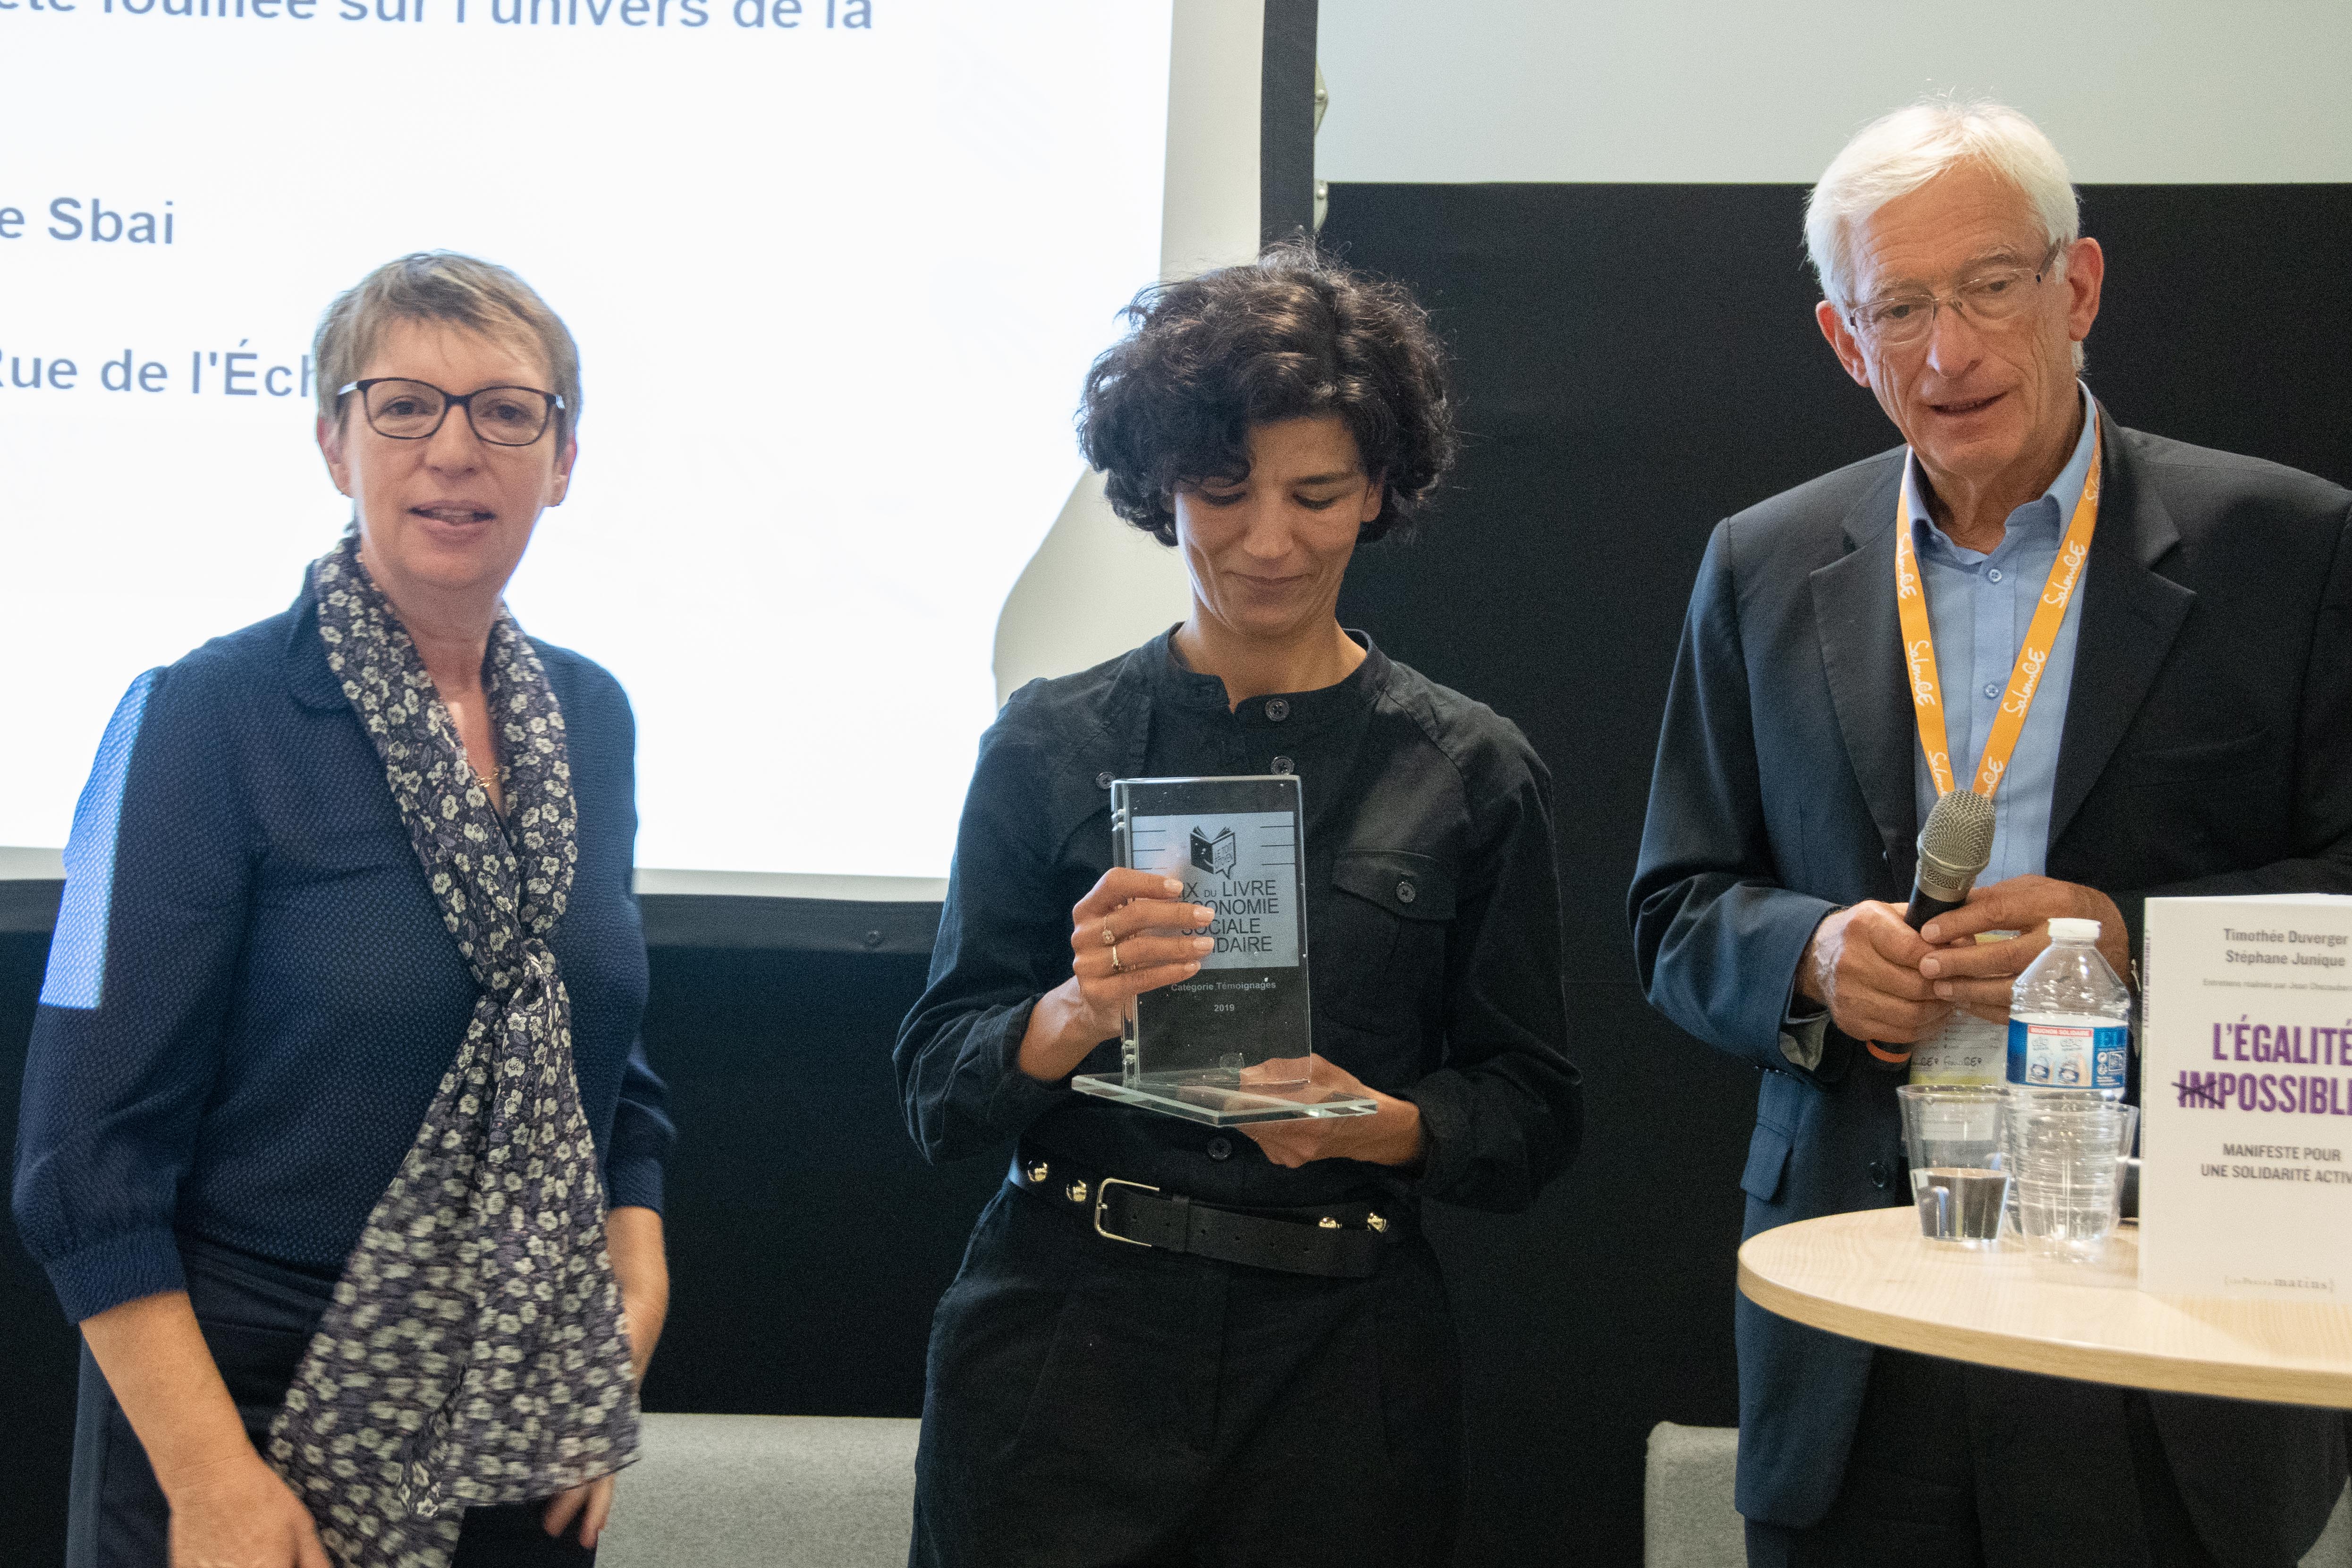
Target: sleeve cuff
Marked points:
1804	1024
1444	1132
1802	1040
634	1182
119	1268
1017	1100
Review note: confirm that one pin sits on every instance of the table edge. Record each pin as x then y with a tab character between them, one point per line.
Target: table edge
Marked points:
2072	1358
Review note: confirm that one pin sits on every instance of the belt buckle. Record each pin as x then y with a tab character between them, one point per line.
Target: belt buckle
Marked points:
1102	1196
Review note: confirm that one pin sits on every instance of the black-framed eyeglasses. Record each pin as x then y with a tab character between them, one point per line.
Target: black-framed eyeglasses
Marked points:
1990	298
409	410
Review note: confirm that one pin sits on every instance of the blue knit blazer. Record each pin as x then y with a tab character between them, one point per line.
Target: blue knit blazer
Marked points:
251	997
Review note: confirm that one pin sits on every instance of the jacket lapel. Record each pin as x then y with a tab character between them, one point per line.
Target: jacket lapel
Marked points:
2130	616
1862	651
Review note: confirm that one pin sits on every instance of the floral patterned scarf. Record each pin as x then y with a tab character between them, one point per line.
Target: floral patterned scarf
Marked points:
474	1353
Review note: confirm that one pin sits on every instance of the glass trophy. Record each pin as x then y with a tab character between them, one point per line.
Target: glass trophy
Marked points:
1235	1042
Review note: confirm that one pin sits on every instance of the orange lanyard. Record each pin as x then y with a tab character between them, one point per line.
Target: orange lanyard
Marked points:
2040	634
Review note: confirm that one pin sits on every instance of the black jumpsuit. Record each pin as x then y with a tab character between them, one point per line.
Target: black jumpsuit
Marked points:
1090	1402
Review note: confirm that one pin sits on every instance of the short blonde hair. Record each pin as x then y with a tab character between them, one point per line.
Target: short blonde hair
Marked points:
1897	154
443	286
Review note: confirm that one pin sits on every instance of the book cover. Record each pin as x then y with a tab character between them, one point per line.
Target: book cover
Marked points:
2246	1098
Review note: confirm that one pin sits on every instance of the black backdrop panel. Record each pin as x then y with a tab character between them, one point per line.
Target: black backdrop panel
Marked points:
808	1240
1637	362
37	1397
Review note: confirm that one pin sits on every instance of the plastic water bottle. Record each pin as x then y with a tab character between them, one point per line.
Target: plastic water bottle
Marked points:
2069	1052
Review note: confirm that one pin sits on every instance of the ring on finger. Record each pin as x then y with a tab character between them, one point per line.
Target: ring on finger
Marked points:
1115	966
1109	940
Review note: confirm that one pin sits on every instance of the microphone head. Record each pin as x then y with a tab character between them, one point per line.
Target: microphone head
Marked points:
1957	843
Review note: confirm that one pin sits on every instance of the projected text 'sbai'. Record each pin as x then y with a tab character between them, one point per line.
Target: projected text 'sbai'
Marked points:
98	223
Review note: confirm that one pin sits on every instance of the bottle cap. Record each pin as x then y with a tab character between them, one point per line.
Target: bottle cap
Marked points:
2063	929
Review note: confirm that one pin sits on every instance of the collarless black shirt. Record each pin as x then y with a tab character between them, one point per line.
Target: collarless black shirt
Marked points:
1431	903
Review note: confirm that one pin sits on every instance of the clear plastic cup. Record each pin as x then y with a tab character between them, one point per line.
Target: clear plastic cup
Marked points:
2069	1168
1959	1175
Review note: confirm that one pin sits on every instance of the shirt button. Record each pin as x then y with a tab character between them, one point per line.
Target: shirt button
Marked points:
1406	892
1994	574
1278	709
1991	689
1882	1174
1284	764
1221	1148
1102	781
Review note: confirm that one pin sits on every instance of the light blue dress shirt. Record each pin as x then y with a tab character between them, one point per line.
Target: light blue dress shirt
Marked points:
1979	606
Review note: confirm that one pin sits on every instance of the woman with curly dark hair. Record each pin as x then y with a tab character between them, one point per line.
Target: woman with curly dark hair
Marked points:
1248	1357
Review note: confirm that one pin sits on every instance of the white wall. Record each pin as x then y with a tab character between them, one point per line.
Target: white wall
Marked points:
2159	91
1214	61
1095	586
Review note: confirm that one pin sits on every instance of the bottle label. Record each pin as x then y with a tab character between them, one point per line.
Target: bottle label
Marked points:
2068	1055
1966	1050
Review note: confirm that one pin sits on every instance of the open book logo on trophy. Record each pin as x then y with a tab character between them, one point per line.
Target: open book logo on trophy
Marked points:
1214	855
1235	1042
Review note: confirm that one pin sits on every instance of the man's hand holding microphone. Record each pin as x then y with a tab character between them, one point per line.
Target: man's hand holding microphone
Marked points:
1893	975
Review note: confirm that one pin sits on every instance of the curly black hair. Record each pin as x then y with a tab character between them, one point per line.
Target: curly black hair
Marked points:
1293	333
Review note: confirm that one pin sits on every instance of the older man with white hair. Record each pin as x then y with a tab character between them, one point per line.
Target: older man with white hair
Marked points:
2186	707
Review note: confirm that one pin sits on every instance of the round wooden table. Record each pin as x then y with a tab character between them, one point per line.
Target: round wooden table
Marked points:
1871	1276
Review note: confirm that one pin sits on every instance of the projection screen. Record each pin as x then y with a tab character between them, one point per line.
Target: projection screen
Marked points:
836	269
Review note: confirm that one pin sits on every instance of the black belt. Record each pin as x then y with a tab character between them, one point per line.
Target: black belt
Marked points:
1337	1241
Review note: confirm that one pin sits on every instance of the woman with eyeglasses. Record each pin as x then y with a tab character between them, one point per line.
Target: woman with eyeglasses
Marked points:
338	1141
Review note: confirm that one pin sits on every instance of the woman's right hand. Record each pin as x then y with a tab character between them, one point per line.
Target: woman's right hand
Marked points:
229	1509
1126	938
239	1513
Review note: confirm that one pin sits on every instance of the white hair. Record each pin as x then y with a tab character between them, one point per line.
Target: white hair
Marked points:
1897	154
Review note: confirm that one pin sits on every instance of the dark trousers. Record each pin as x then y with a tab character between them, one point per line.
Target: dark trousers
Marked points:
1091	1403
257	1320
1966	1467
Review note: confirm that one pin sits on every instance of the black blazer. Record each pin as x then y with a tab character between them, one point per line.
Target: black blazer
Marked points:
2208	748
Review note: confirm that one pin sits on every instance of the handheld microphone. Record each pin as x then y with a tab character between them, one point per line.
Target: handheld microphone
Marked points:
1953	848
